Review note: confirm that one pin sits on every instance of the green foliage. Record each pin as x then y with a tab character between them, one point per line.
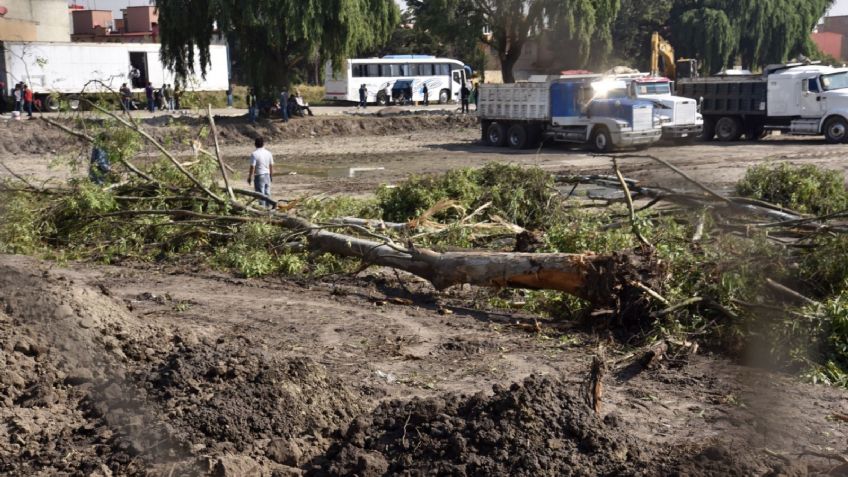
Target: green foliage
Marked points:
321	210
272	37
824	267
519	195
585	26
252	252
807	189
759	32
634	24
21	228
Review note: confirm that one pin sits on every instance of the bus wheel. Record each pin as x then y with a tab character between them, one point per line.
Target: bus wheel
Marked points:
382	98
728	129
51	103
444	96
495	135
516	136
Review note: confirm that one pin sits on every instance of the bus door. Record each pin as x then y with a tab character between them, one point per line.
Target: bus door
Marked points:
456	84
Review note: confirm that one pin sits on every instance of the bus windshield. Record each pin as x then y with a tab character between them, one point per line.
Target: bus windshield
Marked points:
653	88
835	81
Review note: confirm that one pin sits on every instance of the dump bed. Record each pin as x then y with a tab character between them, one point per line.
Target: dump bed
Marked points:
731	95
515	102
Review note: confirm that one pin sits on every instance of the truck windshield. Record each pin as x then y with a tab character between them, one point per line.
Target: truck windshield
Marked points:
653	88
835	81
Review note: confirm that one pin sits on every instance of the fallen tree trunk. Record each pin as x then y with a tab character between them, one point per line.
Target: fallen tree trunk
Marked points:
601	279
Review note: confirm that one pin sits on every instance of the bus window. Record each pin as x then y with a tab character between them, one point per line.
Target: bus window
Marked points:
404	70
357	71
391	70
413	69
425	69
373	71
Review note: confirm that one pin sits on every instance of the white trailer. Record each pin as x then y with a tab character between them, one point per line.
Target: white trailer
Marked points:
66	68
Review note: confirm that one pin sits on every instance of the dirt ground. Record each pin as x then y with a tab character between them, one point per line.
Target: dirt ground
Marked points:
168	370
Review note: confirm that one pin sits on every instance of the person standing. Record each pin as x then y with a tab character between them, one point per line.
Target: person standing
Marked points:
19	98
148	93
464	92
261	170
126	97
28	101
251	106
3	95
284	105
426	92
167	97
363	96
475	96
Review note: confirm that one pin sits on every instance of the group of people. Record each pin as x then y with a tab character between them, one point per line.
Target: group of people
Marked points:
23	96
466	95
165	98
287	106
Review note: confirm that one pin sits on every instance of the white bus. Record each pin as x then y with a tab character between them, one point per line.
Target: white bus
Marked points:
443	76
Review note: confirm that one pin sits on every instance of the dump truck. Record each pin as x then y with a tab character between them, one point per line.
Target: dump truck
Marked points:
797	98
679	116
54	69
566	109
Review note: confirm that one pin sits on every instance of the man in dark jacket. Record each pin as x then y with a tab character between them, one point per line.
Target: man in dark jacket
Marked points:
148	93
363	96
464	92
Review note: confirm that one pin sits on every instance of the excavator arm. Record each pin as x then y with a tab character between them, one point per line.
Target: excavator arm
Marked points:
662	49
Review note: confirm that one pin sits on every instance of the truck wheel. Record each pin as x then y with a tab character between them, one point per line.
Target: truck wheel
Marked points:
444	96
382	98
484	135
601	139
756	133
516	136
728	129
495	135
836	130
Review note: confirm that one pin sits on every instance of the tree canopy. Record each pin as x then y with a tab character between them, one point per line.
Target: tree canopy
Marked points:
582	26
758	32
270	37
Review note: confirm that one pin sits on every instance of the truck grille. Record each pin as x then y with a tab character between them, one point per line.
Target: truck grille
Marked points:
684	113
643	118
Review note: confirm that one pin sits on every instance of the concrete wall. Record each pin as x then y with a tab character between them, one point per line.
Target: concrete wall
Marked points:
35	20
140	19
85	20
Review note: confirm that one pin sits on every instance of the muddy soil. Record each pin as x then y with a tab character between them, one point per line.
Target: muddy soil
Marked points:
169	370
148	371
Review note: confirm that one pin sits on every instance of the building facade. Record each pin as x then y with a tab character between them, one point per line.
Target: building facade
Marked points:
34	20
831	37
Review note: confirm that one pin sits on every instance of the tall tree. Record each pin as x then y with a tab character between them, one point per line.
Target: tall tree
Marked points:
272	36
634	24
757	32
584	25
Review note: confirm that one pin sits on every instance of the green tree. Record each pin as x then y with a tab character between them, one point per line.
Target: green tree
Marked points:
634	24
757	32
272	37
584	26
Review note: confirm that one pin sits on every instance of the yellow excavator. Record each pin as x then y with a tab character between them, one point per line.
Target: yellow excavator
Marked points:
683	68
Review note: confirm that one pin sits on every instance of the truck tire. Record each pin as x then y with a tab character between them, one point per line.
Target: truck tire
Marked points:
601	140
495	135
484	130
382	98
755	133
836	130
516	136
728	129
444	96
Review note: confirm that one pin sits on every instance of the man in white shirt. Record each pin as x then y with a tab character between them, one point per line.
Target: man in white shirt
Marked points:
261	170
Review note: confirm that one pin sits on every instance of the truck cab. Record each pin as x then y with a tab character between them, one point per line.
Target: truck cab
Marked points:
814	97
679	116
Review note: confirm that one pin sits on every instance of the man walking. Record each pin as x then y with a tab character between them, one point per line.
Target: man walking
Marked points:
464	92
261	170
28	101
426	92
148	93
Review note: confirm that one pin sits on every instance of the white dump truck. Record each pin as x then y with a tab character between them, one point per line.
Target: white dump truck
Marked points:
679	115
53	69
800	99
565	109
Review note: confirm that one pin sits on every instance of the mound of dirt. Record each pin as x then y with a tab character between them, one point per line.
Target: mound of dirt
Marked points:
538	428
90	389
